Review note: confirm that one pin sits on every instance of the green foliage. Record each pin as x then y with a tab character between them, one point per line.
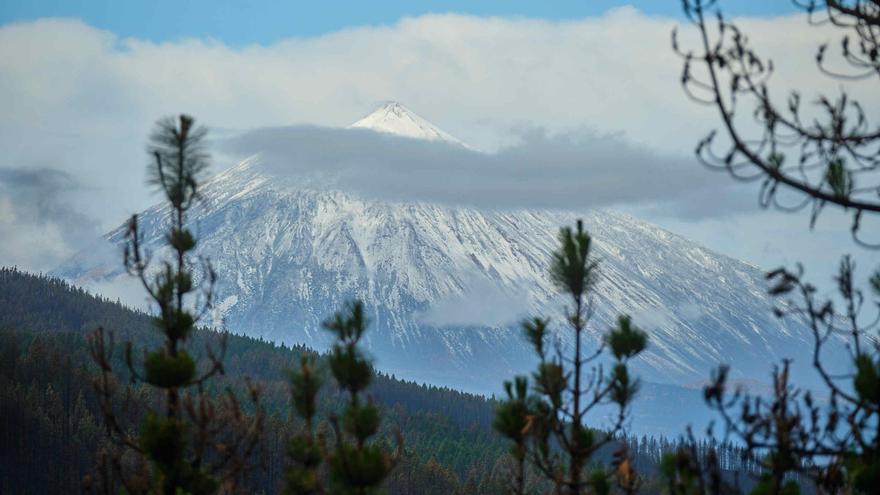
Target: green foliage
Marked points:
358	467
166	371
302	472
350	368
586	439
599	482
355	469
767	486
181	240
864	471
867	378
512	414
305	382
551	382
162	439
679	472
626	340
303	450
354	463
535	331
623	387
839	178
361	421
572	268
180	162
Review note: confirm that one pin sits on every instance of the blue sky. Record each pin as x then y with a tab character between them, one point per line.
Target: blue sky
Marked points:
239	23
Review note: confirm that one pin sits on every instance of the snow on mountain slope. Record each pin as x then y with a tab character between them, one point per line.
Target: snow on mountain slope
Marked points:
445	286
289	257
394	118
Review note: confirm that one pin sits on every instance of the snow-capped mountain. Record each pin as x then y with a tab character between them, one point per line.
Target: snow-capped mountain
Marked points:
445	285
394	118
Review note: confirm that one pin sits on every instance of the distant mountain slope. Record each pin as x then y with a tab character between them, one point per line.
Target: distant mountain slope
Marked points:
288	257
446	285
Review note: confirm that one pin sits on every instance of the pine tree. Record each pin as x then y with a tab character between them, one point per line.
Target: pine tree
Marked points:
192	443
304	449
805	159
547	426
353	462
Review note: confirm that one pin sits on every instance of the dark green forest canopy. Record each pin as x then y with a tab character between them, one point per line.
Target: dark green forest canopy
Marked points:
46	365
48	306
49	415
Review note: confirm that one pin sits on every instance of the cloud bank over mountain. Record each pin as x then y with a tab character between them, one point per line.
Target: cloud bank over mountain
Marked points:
38	221
81	101
576	171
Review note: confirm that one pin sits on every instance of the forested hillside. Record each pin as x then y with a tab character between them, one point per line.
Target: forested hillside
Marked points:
49	415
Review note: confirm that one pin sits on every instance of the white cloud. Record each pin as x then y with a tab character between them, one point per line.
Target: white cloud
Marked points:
573	171
28	244
482	304
82	100
38	223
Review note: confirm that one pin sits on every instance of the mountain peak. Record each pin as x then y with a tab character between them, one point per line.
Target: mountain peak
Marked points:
395	108
394	118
